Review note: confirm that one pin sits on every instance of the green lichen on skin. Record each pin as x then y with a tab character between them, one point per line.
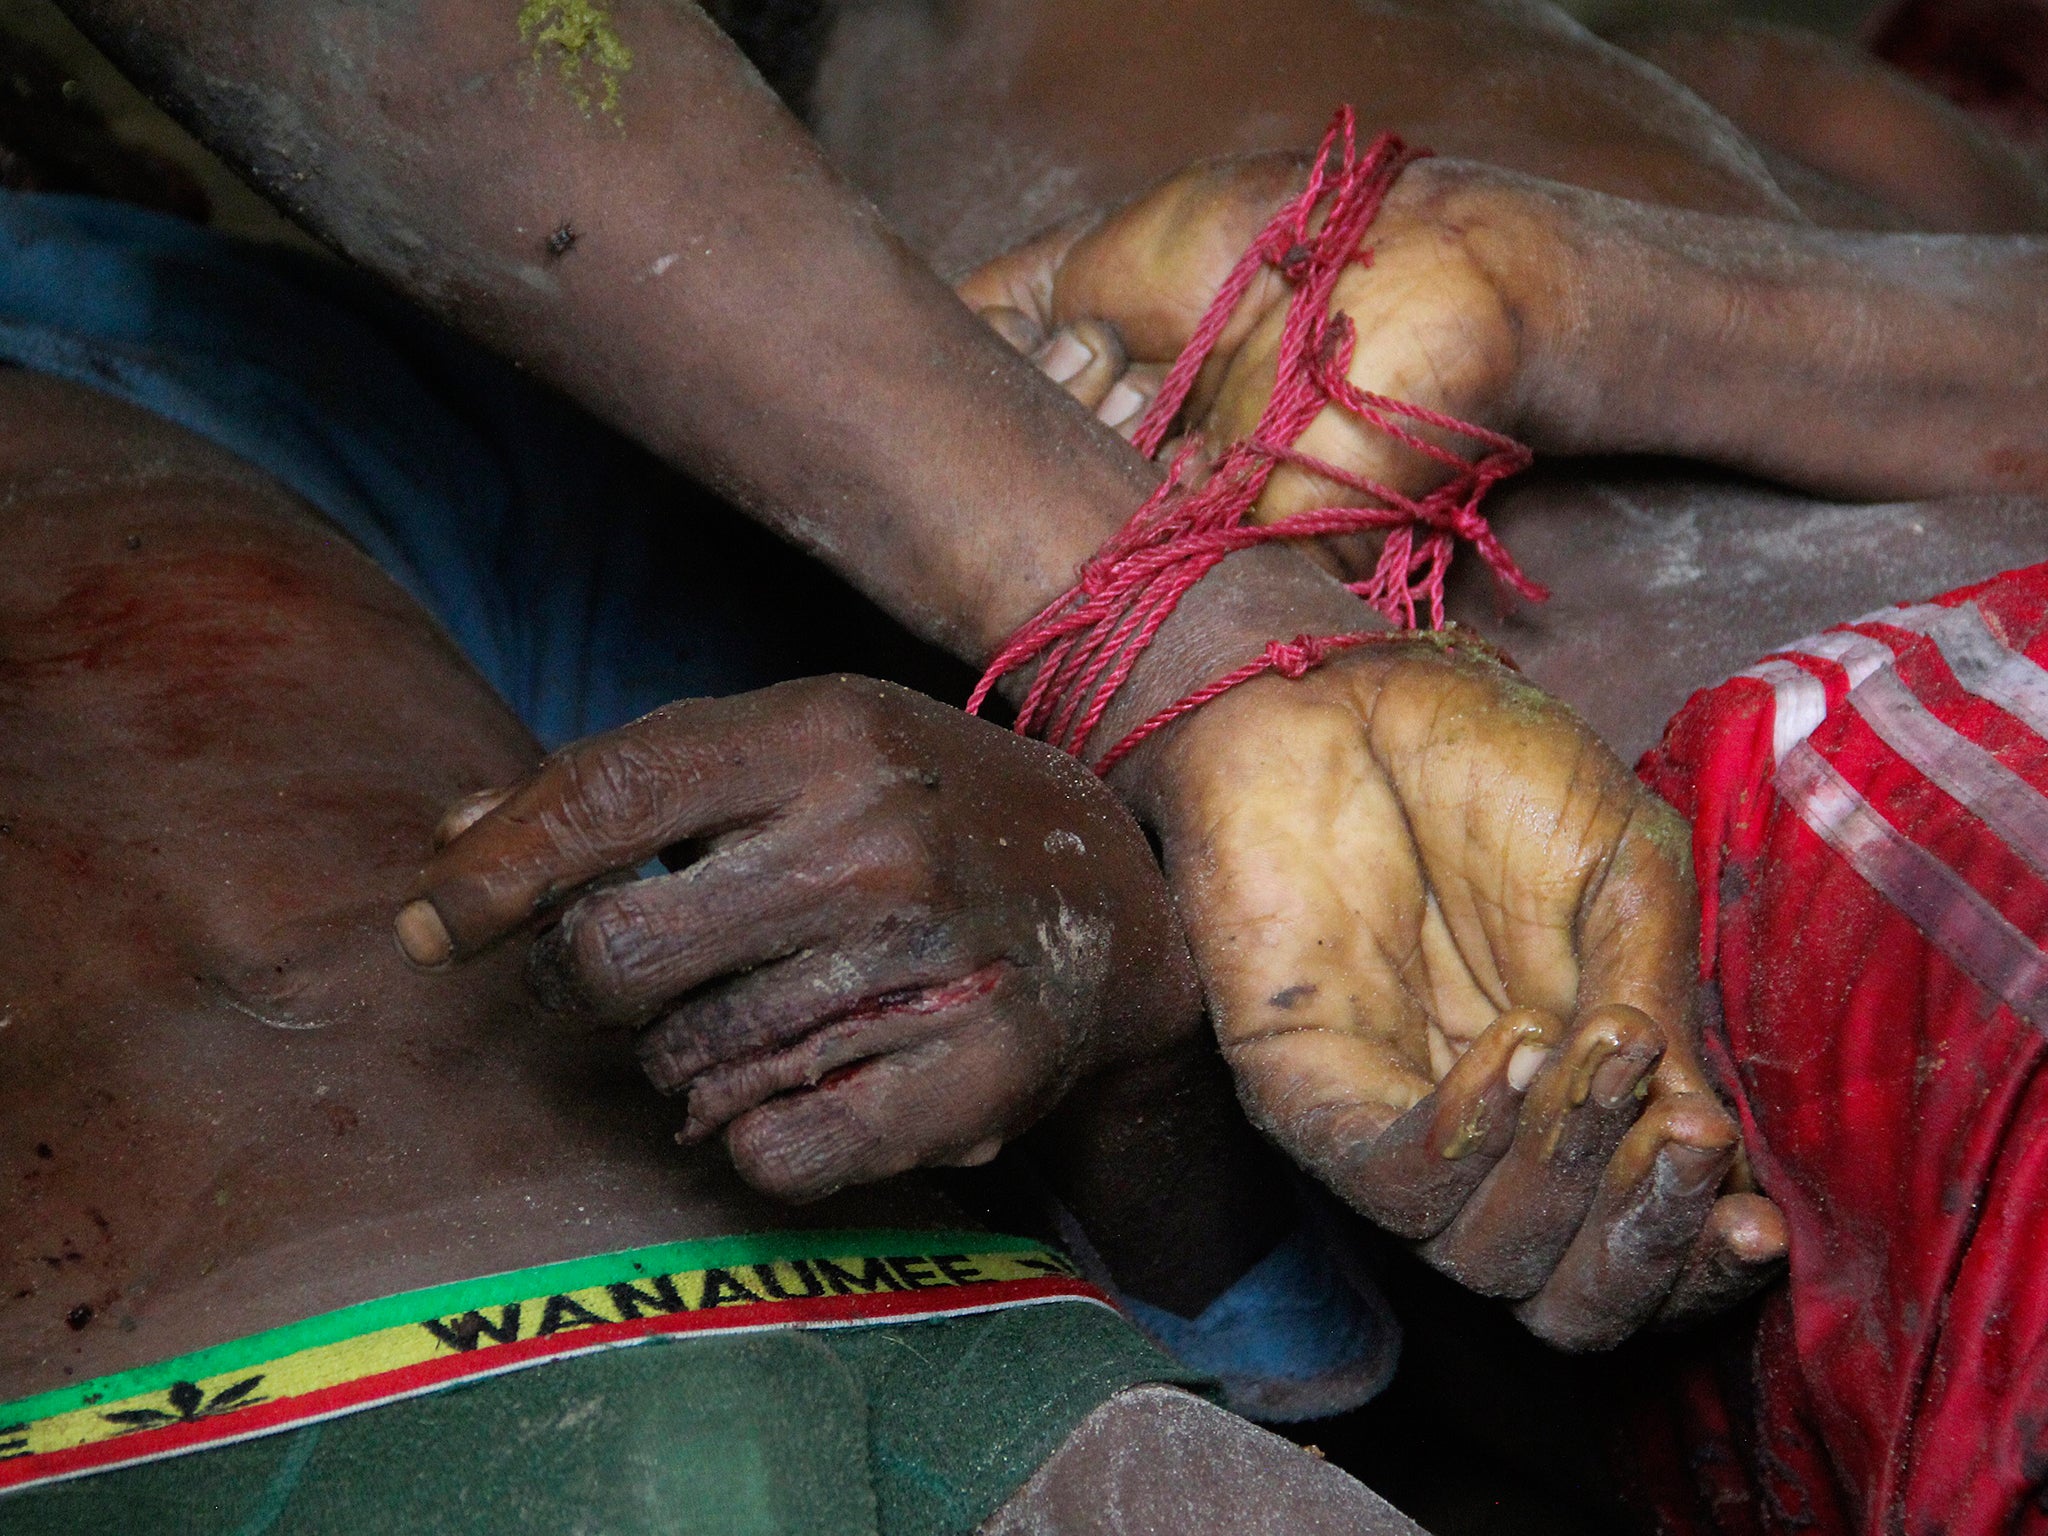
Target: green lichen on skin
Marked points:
587	52
1669	833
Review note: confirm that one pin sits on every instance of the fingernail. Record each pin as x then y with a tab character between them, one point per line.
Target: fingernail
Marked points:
1523	1066
422	934
1121	403
1065	357
1695	1167
1622	1077
1014	327
466	813
981	1152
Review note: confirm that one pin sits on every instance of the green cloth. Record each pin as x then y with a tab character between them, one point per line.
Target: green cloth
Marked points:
910	1429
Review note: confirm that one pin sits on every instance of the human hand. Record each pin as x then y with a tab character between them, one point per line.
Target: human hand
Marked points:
1105	304
1449	944
893	937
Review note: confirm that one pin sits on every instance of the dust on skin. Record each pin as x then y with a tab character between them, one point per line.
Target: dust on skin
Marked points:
578	37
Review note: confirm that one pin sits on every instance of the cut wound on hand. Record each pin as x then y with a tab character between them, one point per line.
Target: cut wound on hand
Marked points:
890	936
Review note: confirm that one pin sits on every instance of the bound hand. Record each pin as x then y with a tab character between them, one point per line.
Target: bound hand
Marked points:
893	935
1440	316
1449	945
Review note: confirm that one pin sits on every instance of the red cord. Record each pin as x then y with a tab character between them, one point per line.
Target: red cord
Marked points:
1088	640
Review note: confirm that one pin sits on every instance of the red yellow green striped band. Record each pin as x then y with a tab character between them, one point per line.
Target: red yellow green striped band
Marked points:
423	1341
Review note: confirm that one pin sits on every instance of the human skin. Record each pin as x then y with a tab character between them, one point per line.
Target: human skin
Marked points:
813	367
1870	146
229	1101
1685	323
975	124
1847	363
949	924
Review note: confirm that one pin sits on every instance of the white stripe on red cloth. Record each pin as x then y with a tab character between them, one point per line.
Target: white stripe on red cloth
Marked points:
1930	895
1857	655
1982	663
1801	703
1971	776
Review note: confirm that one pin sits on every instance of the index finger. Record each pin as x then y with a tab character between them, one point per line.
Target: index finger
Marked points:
611	803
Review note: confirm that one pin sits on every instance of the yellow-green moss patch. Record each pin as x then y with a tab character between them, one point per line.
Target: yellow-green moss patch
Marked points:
586	51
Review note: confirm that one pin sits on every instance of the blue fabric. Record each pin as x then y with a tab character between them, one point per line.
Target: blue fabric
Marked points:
1291	1318
585	582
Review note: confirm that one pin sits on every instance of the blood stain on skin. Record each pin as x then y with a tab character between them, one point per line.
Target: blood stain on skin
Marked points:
188	618
2021	468
588	54
189	632
341	1119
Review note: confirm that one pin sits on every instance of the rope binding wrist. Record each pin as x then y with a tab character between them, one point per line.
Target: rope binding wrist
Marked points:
1087	641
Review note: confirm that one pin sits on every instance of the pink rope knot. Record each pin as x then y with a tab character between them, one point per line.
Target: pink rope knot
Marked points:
1087	642
1297	658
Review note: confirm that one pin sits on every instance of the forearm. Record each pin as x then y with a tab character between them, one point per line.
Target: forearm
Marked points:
661	240
1853	365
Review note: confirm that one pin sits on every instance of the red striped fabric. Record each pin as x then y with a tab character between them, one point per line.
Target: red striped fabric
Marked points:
1870	812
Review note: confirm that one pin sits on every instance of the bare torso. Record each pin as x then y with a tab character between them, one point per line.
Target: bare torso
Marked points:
974	123
226	1101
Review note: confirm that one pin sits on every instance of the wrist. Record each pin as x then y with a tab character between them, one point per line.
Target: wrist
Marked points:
1595	321
1529	242
1256	596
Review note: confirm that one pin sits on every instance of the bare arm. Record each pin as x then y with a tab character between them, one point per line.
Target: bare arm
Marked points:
611	196
616	201
1854	365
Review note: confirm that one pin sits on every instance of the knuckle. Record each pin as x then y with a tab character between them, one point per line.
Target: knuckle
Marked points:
616	790
610	947
840	702
892	859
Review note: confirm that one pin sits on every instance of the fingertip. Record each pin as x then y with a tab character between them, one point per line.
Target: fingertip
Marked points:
1064	357
1122	407
1699	1120
1014	326
800	1148
1695	1168
466	813
1752	1229
422	936
1742	1249
980	1154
